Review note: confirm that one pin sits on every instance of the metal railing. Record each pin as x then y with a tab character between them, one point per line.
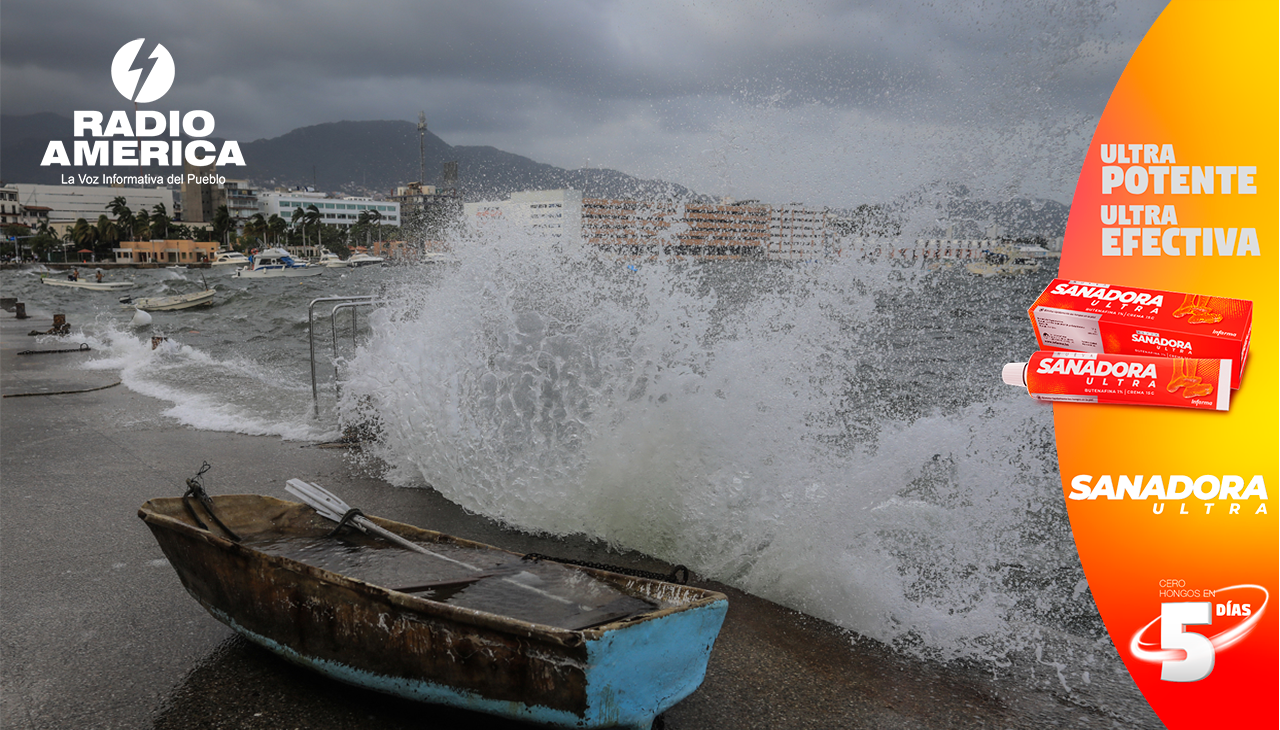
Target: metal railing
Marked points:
347	302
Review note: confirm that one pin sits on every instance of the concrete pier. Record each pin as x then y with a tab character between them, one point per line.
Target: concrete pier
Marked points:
97	632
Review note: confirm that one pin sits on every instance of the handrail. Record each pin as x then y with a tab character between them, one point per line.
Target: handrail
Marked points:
333	325
311	337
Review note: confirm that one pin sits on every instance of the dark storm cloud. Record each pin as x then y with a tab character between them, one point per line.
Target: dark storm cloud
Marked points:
564	81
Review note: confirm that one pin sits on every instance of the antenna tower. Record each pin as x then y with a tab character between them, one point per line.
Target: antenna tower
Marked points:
422	148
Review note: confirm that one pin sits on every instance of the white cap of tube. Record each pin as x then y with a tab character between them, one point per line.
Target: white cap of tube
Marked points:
1014	373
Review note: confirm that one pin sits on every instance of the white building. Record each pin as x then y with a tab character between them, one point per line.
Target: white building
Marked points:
13	212
67	203
343	212
549	214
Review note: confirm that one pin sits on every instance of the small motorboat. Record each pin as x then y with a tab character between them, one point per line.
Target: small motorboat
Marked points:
331	260
229	258
170	303
435	618
83	284
363	259
274	263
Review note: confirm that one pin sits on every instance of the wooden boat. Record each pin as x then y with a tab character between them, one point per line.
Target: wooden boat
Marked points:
83	284
172	302
439	639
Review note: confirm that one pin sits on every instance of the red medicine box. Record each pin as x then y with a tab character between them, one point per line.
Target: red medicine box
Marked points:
1085	317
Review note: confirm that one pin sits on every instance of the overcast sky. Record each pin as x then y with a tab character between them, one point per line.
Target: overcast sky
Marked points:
828	103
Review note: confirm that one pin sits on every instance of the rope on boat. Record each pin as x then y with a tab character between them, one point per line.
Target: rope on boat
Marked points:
84	347
346	520
679	574
195	488
62	392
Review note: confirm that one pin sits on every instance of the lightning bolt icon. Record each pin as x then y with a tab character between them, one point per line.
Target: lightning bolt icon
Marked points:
140	70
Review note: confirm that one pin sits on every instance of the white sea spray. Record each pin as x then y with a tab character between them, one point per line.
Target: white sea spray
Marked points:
730	422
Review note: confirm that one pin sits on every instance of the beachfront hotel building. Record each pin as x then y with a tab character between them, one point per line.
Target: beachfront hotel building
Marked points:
67	203
342	212
798	233
631	227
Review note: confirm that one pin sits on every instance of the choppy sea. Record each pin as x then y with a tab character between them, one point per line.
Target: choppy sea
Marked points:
831	435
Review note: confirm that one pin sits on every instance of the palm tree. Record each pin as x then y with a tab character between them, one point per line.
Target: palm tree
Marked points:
362	224
256	227
276	227
375	217
124	217
83	234
222	224
313	217
159	221
142	226
300	219
108	234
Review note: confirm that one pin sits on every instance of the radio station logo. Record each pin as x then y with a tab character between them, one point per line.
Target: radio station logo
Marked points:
126	74
122	140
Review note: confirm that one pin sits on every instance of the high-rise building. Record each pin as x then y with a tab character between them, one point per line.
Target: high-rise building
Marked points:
201	197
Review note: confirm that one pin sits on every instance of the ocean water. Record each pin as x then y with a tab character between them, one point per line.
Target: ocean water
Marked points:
831	435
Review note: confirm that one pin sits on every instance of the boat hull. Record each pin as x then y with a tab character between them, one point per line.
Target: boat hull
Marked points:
278	273
621	674
182	301
91	285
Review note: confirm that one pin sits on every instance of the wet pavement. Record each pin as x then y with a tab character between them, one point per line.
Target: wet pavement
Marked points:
97	632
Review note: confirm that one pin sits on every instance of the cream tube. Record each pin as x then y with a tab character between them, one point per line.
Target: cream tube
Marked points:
1090	377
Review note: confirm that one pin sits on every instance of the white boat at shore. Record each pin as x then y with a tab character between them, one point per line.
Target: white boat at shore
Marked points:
331	260
171	303
276	263
92	285
363	259
437	257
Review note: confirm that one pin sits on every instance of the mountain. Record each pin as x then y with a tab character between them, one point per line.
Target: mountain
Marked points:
352	157
374	157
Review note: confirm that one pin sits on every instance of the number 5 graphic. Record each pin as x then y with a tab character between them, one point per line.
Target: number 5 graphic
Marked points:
1174	618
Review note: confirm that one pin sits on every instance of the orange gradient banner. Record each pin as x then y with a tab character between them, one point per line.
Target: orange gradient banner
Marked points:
1174	510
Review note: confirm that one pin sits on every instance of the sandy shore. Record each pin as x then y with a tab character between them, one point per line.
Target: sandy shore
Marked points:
96	630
